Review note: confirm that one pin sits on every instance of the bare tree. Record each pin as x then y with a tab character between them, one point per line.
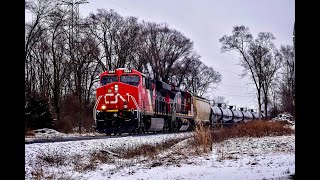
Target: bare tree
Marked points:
182	69
288	76
44	50
57	42
201	79
258	58
40	10
268	63
220	99
125	42
104	26
163	47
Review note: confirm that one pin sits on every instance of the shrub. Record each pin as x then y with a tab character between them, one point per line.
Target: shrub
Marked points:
37	113
203	138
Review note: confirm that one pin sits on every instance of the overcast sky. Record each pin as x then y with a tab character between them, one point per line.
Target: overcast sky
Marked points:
205	22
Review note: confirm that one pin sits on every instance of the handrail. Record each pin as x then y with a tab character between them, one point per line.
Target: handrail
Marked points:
134	101
95	108
136	104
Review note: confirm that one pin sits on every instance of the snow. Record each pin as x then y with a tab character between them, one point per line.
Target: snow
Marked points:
238	158
272	166
51	133
286	117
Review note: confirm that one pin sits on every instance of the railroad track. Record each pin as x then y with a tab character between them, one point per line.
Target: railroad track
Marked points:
66	139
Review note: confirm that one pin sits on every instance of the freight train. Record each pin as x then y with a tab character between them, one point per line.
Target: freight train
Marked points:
129	101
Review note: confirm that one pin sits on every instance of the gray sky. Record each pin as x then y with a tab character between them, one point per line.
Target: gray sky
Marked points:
204	22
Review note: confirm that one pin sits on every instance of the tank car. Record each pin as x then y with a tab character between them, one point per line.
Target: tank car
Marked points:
221	114
248	116
238	115
202	110
228	114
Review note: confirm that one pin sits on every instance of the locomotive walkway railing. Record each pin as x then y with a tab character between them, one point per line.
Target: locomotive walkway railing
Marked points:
136	104
95	108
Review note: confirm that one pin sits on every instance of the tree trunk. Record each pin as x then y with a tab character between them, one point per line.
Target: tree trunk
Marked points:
265	109
259	103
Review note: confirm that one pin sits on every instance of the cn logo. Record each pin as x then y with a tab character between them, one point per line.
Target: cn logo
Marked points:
115	98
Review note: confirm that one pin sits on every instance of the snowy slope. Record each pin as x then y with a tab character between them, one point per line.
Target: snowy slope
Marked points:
240	158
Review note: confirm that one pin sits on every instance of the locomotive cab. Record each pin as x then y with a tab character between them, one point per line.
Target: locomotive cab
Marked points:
118	101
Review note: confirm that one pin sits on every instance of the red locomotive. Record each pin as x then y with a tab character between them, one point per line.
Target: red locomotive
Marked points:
129	101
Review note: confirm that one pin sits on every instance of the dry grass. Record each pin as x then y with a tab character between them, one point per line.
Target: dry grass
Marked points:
101	156
147	150
258	128
28	132
202	138
38	173
54	158
80	166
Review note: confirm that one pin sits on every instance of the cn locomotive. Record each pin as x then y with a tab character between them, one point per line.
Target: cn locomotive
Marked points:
129	101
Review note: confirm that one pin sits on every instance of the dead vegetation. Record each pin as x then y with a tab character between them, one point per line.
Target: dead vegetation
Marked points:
202	139
53	158
28	132
147	150
257	128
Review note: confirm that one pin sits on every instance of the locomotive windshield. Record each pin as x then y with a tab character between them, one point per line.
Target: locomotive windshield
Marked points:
130	79
108	79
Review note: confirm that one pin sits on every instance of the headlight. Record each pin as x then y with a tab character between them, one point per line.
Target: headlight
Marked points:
103	107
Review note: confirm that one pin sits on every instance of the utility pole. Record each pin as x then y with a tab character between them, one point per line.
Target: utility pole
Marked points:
73	10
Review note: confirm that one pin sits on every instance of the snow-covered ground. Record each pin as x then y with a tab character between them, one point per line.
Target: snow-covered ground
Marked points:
51	133
239	158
